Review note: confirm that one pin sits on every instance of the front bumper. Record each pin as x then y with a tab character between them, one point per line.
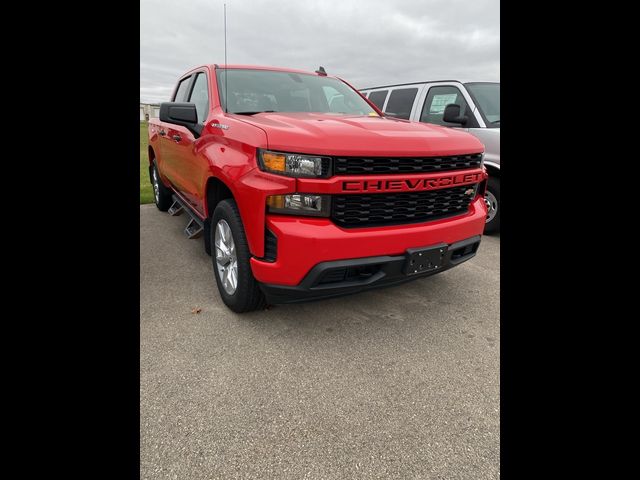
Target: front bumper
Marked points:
344	277
303	243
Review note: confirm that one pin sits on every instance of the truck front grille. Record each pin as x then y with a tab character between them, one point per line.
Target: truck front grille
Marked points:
398	208
390	165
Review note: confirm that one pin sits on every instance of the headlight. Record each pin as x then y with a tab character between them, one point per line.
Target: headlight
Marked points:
300	204
293	164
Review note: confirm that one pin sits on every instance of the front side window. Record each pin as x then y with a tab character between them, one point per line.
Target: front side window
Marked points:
401	101
200	96
437	99
181	92
486	96
253	91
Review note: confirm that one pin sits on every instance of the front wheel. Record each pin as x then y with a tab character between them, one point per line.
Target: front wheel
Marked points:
492	200
237	286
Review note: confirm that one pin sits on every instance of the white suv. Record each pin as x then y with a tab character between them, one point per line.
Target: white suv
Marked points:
478	112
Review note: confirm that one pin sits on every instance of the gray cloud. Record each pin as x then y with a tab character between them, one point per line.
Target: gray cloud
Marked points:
366	42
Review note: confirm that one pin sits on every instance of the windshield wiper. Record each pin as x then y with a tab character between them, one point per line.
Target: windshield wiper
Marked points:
494	122
253	113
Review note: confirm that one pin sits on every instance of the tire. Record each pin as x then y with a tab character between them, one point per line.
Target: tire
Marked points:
246	296
161	194
492	197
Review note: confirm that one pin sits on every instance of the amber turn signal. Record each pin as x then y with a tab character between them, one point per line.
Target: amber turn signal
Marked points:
275	201
274	161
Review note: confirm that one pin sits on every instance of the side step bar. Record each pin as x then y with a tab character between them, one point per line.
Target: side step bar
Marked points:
176	208
195	227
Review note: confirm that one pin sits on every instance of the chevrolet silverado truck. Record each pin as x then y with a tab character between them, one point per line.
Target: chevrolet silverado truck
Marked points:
303	189
478	114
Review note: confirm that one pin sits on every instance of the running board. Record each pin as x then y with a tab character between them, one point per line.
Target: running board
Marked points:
195	227
176	208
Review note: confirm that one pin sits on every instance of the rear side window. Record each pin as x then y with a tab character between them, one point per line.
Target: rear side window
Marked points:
200	96
181	92
378	97
401	101
437	99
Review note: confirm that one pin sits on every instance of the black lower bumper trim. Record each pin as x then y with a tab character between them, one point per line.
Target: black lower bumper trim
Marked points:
344	277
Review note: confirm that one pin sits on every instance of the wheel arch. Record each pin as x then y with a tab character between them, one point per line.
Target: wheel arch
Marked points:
493	171
216	190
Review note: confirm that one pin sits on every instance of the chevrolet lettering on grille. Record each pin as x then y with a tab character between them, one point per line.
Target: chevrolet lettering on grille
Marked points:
412	185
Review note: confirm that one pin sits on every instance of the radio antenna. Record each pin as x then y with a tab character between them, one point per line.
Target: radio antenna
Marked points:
226	99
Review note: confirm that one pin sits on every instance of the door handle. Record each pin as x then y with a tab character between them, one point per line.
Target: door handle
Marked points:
177	138
162	132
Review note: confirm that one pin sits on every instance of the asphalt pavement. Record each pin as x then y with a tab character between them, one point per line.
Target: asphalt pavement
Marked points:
396	383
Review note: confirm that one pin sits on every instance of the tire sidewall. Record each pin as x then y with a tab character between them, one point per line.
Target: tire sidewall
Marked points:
164	200
227	210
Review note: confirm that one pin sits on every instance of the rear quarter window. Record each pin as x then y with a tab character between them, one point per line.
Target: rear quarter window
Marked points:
401	101
378	97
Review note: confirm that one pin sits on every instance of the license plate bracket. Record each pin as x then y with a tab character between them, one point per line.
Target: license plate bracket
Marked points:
421	260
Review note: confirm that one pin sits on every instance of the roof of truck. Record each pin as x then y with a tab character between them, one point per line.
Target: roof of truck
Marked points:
263	67
425	81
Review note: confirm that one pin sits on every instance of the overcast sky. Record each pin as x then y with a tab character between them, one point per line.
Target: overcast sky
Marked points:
366	42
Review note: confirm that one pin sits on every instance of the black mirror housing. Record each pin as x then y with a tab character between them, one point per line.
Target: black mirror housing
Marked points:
184	114
452	114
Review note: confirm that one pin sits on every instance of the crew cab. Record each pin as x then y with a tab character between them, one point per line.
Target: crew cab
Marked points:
478	113
304	190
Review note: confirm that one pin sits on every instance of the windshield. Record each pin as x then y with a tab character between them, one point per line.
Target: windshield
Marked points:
255	91
487	98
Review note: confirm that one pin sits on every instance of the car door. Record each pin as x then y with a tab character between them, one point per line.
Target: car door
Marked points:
167	161
188	167
436	97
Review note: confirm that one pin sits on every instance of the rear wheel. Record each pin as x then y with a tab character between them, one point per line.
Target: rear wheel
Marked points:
492	200
161	194
230	254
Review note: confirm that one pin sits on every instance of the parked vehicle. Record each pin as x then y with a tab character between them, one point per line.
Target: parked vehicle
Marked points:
305	190
479	104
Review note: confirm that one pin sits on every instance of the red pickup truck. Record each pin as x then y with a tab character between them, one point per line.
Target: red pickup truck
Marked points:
303	189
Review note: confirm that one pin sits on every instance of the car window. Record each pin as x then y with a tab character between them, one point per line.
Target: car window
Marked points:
378	97
336	100
437	99
266	90
486	96
181	92
401	101
200	96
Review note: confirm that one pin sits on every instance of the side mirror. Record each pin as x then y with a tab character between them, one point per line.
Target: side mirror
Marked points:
452	114
184	114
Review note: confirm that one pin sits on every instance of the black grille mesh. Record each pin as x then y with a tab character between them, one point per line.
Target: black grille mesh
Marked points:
381	165
398	208
270	246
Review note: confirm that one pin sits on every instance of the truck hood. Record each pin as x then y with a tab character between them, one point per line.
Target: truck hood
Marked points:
337	134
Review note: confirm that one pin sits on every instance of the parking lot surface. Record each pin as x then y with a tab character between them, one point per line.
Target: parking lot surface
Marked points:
401	382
